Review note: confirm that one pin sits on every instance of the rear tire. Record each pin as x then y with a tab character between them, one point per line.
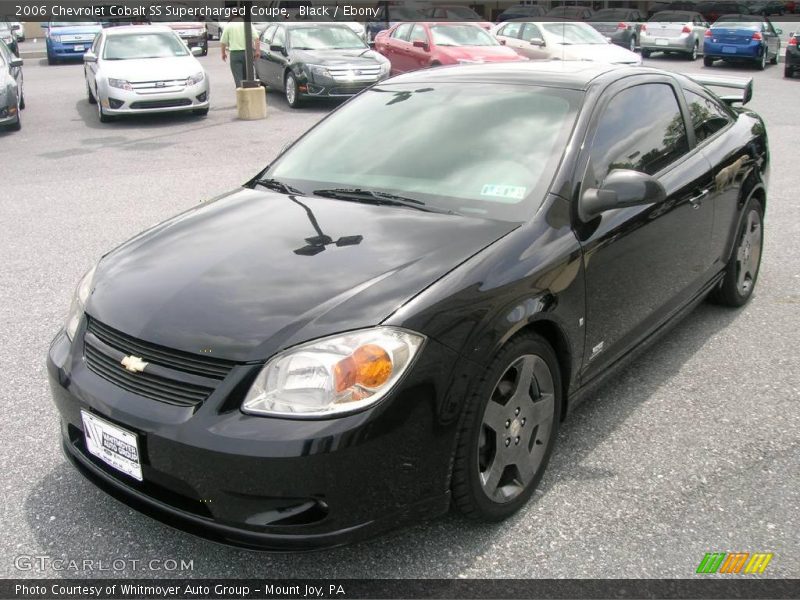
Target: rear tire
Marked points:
693	54
762	61
741	273
645	53
508	432
708	61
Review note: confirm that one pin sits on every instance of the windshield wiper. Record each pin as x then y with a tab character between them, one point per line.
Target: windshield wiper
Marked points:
379	198
278	186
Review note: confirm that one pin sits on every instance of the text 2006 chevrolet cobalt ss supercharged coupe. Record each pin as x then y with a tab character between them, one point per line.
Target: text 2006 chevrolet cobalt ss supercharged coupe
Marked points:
367	333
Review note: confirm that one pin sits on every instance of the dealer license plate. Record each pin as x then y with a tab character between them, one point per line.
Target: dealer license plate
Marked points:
113	445
729	50
662	42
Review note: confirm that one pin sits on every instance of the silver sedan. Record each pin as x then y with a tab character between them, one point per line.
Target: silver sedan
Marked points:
669	31
144	69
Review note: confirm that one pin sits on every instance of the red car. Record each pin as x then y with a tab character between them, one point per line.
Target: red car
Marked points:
412	46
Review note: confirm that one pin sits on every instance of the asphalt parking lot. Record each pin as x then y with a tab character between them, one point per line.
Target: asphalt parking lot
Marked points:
693	448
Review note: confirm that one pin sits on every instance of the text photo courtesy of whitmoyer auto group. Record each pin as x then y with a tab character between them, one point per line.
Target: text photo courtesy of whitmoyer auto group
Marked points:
400	299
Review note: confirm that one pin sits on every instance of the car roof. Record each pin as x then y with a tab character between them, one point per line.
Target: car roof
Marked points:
123	29
567	74
742	18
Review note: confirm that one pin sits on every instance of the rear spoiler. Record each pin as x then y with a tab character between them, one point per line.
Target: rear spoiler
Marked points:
724	81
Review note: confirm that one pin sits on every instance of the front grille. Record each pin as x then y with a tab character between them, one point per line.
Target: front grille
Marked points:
171	376
158	84
161	103
354	73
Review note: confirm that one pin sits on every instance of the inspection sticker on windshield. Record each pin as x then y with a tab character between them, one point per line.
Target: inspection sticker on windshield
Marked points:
510	193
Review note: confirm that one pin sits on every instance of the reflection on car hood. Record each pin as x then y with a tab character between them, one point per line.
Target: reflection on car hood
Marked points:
152	69
604	53
336	57
226	276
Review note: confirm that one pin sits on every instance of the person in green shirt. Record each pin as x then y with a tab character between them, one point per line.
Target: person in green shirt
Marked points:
233	42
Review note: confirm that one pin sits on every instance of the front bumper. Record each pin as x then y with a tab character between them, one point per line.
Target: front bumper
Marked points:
792	56
329	87
195	41
67	50
266	482
8	114
118	101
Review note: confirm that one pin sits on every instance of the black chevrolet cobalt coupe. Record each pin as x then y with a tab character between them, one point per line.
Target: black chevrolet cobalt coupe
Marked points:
367	333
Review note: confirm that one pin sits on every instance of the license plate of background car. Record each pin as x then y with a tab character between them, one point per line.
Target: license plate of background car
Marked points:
115	446
662	42
79	48
728	50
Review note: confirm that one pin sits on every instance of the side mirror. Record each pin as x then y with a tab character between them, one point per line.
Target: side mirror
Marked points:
779	31
502	42
621	188
537	42
15	62
277	48
421	44
89	57
196	51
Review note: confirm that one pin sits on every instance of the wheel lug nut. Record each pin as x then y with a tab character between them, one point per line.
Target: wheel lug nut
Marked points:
516	440
508	441
516	412
508	423
523	420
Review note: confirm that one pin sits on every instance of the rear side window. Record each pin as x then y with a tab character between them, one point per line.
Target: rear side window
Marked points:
642	129
707	116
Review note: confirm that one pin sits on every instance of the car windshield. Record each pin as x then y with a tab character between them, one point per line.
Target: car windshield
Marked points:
430	150
670	17
574	33
73	23
461	35
324	38
143	45
739	22
462	12
401	13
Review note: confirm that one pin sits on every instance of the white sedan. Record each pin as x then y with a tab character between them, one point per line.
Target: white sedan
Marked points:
562	40
144	69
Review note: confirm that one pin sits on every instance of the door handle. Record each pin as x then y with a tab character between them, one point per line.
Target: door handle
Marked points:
695	200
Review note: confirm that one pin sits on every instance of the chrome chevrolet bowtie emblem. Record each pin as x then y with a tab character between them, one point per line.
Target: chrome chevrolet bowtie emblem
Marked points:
134	364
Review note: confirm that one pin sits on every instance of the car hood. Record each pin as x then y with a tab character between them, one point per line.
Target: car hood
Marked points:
150	69
605	53
331	58
479	53
226	278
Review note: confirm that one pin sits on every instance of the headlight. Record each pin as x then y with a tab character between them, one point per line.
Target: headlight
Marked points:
55	38
196	78
319	70
334	375
386	67
120	83
82	293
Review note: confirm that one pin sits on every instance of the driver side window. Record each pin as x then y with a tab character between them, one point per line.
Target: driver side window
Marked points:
280	38
418	34
642	129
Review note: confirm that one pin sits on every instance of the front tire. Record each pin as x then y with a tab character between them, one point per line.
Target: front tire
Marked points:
89	95
508	431
292	91
742	270
101	114
632	44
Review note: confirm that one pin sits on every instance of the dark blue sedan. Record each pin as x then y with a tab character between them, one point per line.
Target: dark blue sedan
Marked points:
742	38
